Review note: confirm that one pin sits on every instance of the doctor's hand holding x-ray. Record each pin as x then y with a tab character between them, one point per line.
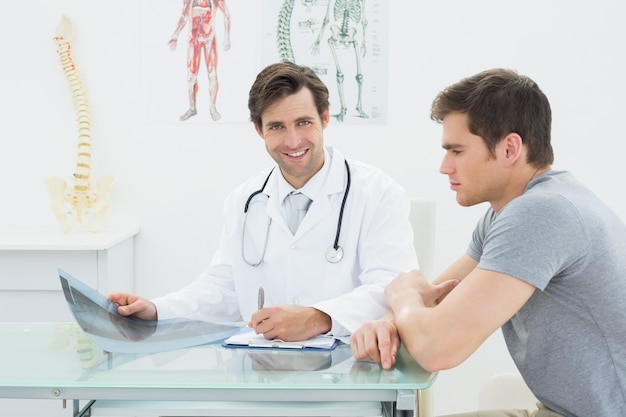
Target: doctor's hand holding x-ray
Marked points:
328	276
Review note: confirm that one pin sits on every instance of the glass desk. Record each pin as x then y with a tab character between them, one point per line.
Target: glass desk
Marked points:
57	361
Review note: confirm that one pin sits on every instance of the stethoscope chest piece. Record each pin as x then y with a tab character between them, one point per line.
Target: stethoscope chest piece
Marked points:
334	255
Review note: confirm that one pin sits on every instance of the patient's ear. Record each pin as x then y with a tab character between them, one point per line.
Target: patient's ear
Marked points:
512	147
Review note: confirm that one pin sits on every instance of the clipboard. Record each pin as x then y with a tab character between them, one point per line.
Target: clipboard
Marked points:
248	339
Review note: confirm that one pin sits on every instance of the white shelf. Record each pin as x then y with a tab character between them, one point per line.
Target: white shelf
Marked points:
55	239
30	288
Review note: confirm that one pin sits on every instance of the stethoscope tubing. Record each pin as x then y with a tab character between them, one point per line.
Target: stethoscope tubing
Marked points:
343	205
334	253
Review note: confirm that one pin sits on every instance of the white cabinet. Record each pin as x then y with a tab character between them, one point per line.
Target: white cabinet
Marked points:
30	289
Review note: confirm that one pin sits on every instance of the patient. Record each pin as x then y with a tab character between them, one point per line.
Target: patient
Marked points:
545	263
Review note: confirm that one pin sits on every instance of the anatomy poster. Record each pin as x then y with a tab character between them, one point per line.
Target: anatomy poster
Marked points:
199	60
200	57
346	44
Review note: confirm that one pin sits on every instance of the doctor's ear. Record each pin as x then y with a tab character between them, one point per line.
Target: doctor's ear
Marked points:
326	117
259	131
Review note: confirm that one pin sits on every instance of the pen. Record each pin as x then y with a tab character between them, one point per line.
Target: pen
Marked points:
261	299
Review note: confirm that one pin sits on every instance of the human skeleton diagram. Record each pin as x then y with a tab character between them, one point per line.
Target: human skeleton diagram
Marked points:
202	41
79	202
347	31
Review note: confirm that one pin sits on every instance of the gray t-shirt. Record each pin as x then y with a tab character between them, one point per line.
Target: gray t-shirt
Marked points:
569	339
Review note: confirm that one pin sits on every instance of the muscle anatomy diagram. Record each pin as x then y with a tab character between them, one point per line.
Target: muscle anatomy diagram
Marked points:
202	43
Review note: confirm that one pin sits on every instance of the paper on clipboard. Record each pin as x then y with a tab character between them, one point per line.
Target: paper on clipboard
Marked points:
248	338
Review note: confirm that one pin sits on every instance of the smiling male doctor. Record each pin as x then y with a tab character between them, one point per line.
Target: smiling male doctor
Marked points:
326	277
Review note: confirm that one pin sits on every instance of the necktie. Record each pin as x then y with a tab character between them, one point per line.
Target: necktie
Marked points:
299	204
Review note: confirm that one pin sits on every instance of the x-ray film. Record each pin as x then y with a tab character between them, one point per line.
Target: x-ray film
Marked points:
112	332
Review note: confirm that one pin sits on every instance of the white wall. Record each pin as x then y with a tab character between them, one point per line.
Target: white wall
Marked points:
172	177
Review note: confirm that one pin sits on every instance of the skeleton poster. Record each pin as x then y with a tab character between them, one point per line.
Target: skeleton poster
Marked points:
344	41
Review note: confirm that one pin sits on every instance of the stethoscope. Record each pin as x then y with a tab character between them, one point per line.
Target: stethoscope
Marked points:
334	253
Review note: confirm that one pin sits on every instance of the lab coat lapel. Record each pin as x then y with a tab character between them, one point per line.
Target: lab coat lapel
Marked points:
320	208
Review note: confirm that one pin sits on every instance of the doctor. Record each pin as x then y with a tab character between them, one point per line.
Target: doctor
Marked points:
328	275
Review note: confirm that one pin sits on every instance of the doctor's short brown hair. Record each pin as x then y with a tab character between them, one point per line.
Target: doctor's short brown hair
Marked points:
283	79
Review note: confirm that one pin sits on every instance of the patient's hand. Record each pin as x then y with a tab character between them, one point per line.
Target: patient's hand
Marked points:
376	341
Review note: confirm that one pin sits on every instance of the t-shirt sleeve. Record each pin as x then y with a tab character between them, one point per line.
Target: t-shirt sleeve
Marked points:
533	238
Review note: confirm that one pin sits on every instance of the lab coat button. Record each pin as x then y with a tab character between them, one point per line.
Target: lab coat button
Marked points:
295	301
294	246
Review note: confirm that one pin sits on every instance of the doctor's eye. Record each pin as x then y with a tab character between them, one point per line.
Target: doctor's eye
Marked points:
274	127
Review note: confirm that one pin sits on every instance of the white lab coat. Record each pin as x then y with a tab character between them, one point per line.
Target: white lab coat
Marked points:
376	238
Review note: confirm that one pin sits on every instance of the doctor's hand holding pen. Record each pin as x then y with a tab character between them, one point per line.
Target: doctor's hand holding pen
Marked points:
131	304
288	323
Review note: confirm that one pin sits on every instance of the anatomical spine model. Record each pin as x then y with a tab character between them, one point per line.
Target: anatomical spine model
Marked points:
77	201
